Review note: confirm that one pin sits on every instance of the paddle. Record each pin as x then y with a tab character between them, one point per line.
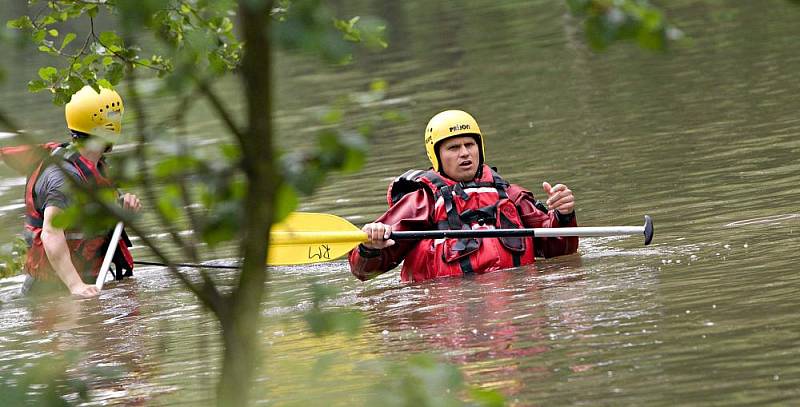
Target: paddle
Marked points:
112	247
305	237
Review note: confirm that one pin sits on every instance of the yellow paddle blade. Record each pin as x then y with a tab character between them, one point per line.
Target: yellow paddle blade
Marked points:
305	237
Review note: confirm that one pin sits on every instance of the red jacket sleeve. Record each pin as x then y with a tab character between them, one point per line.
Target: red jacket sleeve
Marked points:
533	217
413	212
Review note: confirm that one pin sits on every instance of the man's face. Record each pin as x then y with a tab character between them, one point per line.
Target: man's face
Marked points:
459	157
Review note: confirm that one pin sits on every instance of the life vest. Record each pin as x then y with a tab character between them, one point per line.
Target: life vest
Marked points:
86	253
483	203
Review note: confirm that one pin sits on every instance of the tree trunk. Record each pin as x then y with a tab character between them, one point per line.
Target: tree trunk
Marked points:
241	315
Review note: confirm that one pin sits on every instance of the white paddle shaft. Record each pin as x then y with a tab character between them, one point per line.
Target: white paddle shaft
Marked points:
112	248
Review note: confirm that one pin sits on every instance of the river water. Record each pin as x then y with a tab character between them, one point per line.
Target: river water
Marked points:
705	139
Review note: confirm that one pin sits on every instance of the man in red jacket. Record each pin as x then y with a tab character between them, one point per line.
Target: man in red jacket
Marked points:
461	192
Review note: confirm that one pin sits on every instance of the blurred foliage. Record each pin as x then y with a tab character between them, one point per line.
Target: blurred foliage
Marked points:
306	26
88	209
197	44
422	380
327	321
50	381
419	380
610	21
337	147
12	257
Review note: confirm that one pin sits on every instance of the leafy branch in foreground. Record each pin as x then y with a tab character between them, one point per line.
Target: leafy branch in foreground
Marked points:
610	21
229	193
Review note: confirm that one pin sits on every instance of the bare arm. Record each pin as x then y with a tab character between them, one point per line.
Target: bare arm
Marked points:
58	253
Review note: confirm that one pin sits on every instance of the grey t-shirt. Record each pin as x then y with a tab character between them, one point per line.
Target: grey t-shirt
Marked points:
52	188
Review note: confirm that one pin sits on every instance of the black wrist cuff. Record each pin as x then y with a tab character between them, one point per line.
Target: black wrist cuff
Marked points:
565	219
366	252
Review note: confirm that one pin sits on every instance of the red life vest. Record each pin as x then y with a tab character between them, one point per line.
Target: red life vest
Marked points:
480	204
87	254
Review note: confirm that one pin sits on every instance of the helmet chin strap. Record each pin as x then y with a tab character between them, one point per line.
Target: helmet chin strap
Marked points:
80	138
78	135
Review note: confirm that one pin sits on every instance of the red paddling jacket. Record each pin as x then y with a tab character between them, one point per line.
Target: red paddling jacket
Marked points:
86	253
424	200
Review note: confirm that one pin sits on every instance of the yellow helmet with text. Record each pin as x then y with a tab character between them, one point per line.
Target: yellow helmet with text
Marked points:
450	123
97	114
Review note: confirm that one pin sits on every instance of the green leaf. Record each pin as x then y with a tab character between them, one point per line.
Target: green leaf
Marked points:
67	39
322	292
373	31
332	116
110	38
420	380
67	217
53	32
354	160
23	22
487	398
74	84
392	116
578	7
61	96
174	166
38	36
90	58
92	10
222	224
285	202
231	152
323	323
36	86
379	85
48	73
168	203
114	73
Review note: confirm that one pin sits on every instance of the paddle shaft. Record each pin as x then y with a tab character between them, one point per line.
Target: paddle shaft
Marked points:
646	230
537	232
112	248
309	237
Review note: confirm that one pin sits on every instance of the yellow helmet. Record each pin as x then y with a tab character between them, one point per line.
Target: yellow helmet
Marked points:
450	123
95	113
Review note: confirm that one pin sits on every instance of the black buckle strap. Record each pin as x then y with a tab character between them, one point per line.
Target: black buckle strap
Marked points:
449	206
34	222
516	258
500	184
466	265
481	216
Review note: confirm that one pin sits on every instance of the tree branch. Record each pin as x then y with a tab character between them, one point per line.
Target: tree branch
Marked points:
223	113
144	172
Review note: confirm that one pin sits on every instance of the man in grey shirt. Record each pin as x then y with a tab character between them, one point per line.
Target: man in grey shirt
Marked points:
51	185
94	119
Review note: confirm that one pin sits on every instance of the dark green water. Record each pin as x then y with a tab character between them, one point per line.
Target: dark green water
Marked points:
706	139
